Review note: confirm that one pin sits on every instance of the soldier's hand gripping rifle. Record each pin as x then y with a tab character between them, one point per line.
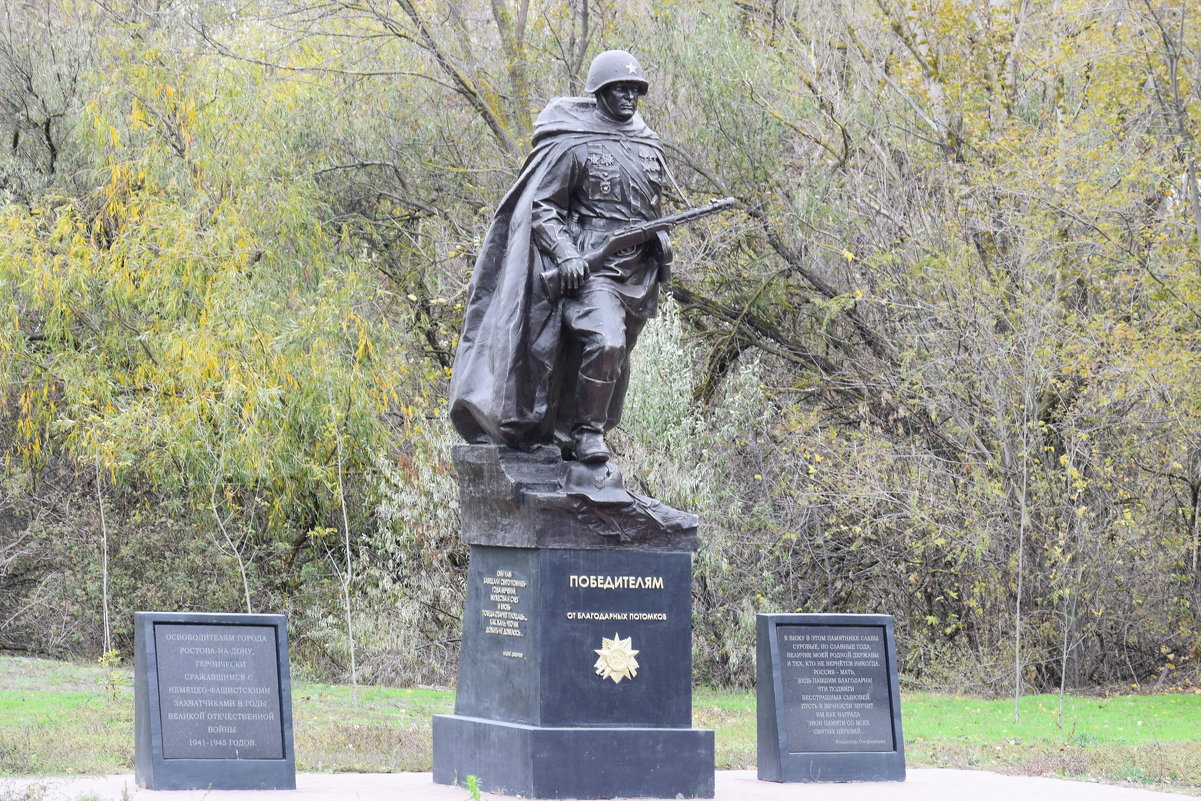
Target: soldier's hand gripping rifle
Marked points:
633	236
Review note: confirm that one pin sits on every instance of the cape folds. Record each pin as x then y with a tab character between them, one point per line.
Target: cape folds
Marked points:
506	374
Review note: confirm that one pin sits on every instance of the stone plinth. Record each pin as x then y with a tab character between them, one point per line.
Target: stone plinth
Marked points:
575	676
514	499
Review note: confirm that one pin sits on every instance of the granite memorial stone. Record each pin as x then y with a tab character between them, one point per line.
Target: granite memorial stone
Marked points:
212	702
828	700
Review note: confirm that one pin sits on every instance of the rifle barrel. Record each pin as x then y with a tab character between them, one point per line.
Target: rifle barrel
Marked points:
687	215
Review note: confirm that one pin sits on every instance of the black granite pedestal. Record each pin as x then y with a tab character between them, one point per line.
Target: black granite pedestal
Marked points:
575	676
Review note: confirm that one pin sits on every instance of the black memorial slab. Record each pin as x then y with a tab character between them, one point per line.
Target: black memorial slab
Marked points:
212	702
575	672
829	707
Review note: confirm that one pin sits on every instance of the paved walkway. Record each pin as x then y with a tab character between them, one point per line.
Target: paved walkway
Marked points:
922	784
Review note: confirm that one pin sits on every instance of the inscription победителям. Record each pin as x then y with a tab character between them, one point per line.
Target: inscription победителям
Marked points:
835	689
219	694
590	582
505	617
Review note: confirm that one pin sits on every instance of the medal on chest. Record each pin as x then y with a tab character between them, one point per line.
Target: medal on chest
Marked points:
601	158
650	160
602	165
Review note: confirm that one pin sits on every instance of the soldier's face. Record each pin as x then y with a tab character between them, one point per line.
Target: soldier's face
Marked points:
618	100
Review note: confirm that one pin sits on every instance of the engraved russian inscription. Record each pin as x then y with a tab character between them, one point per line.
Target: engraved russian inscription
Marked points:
504	615
836	688
586	582
219	695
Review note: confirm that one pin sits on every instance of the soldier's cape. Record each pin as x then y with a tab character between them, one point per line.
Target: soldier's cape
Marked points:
505	382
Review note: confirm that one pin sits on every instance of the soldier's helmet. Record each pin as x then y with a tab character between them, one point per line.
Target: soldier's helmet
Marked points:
614	66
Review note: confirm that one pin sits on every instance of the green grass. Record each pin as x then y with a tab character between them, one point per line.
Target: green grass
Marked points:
59	719
386	730
1120	720
1148	740
731	715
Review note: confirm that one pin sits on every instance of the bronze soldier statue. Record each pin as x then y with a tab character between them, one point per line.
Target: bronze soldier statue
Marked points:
532	369
568	275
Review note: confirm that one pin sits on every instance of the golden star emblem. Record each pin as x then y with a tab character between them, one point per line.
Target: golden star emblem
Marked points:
617	660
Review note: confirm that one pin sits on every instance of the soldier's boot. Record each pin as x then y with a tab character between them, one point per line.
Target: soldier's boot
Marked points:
592	409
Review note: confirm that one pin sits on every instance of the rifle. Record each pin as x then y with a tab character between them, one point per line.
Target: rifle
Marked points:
632	236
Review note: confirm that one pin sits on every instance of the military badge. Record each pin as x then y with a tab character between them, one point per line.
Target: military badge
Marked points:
650	159
601	158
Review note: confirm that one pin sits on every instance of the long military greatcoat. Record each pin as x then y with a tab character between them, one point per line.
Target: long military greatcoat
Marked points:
586	174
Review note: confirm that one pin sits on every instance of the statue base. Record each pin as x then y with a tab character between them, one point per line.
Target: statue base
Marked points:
575	672
573	762
536	500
